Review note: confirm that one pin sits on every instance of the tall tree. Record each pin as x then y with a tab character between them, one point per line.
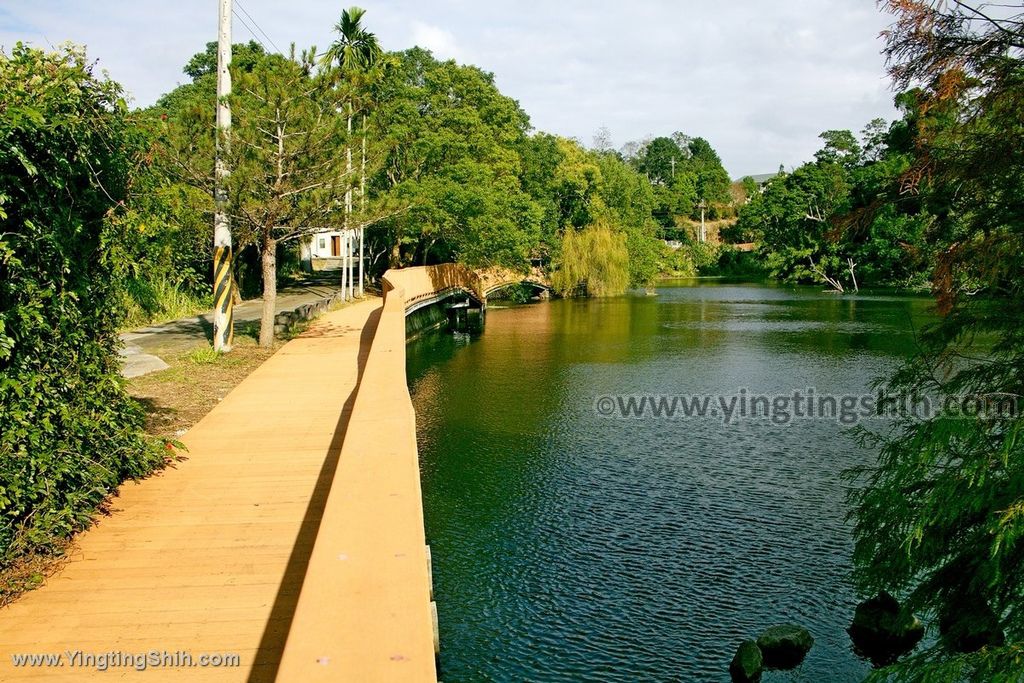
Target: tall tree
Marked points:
940	520
841	147
660	159
712	180
355	53
287	178
452	155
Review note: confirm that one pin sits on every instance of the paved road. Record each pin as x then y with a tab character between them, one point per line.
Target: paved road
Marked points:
144	347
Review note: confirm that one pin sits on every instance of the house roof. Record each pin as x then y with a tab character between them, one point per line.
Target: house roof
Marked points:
762	178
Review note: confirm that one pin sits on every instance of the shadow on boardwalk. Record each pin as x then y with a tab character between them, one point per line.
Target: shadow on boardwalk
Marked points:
268	655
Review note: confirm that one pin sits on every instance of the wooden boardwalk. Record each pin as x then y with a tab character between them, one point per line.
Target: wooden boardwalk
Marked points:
291	538
210	556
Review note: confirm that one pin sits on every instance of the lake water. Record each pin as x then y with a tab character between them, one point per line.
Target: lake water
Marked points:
571	546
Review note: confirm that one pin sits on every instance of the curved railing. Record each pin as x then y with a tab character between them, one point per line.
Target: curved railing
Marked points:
365	611
424	285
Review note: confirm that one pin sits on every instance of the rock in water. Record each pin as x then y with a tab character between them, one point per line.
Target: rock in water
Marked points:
784	646
967	623
747	665
882	630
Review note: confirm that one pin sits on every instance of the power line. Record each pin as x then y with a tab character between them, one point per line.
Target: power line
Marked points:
249	28
258	27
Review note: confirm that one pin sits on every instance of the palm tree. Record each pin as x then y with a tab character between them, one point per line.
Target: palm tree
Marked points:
355	52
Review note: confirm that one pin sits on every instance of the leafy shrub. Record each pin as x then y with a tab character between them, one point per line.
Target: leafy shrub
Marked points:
678	262
68	432
735	263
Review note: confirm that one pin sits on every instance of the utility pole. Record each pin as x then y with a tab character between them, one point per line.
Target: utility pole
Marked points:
349	243
346	283
223	324
703	231
344	261
362	210
673	167
362	275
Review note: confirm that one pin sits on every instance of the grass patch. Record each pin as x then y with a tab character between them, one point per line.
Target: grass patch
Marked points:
30	571
203	356
198	379
149	302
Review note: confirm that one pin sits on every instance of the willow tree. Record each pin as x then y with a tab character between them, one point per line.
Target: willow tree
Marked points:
593	261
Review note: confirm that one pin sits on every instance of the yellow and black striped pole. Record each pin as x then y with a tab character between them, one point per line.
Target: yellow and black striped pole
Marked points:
223	296
223	327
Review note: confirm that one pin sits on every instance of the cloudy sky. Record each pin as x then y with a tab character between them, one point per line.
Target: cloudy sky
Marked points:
758	79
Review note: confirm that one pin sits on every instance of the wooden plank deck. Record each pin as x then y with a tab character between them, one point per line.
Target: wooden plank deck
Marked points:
210	556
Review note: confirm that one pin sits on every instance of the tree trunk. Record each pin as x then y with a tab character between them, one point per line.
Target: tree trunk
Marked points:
269	260
348	169
396	255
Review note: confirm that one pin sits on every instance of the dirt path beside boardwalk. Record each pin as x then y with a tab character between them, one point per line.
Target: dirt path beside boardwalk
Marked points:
148	349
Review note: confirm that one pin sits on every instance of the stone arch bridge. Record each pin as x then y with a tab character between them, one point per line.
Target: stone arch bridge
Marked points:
426	285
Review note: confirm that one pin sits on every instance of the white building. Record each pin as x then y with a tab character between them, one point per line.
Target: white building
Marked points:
325	250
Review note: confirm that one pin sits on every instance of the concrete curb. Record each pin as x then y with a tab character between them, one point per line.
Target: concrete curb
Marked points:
286	320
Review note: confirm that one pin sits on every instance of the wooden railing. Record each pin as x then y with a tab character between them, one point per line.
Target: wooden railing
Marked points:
365	611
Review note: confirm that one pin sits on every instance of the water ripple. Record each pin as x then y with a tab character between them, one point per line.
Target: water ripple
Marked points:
573	548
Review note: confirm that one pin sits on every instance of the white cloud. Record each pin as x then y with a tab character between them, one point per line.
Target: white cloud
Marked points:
437	40
758	79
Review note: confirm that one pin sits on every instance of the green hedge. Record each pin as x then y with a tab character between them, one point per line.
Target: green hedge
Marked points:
69	434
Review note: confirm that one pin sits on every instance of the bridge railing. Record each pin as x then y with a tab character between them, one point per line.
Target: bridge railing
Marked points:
365	611
427	282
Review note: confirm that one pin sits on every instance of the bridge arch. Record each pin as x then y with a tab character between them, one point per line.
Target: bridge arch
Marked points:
423	286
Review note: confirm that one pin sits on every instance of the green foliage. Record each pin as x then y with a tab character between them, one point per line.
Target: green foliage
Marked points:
450	144
849	205
70	434
286	169
356	49
685	172
735	263
940	519
750	187
691	259
841	148
711	179
678	262
244	56
659	160
705	254
206	355
791	219
453	172
594	261
590	188
517	293
154	298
